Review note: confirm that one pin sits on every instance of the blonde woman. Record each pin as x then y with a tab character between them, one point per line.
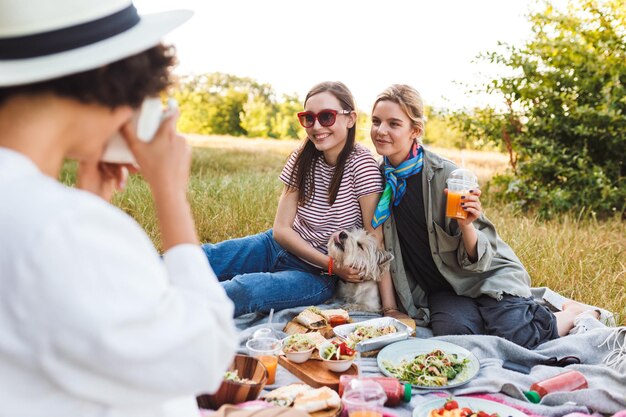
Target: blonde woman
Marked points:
455	275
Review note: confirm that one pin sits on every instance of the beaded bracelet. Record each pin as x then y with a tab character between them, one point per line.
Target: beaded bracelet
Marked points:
388	309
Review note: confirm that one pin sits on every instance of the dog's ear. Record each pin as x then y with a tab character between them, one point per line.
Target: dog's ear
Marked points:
384	258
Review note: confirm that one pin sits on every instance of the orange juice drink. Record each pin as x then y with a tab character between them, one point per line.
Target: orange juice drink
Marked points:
266	349
453	205
460	182
270	362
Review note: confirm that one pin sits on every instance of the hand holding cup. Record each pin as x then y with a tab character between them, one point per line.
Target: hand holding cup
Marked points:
463	202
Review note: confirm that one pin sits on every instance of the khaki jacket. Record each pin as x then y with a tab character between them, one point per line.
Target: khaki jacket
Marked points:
497	270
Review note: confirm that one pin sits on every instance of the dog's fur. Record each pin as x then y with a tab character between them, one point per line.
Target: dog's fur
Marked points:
359	250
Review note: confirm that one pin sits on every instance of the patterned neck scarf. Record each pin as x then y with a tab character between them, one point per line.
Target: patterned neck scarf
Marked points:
395	178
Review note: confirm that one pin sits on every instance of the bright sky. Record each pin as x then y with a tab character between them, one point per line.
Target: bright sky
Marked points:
367	44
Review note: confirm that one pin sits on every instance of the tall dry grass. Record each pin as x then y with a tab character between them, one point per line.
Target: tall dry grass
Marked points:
234	191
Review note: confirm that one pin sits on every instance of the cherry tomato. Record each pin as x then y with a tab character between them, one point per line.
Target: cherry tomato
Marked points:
451	405
344	349
483	414
466	412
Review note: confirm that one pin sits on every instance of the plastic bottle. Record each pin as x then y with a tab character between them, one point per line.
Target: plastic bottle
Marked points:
396	391
567	381
364	398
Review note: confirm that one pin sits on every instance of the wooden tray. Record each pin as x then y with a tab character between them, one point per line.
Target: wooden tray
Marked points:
314	373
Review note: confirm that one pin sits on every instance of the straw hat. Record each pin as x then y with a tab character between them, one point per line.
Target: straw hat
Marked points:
46	39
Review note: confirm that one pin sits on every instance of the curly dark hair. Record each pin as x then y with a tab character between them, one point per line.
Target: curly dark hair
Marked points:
124	82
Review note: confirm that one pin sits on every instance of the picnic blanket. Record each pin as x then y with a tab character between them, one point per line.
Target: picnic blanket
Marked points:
607	384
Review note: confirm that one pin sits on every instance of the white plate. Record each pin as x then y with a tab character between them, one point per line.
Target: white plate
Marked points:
409	349
403	332
476	404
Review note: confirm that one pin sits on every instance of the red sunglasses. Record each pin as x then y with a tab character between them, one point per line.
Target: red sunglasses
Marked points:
326	117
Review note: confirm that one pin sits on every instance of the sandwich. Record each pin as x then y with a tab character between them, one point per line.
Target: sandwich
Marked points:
335	312
316	338
318	399
286	395
311	319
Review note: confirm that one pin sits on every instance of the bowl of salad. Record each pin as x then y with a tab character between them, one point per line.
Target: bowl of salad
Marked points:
243	381
298	347
337	355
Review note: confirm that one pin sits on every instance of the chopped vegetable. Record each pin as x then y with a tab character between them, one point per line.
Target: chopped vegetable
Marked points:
298	343
338	351
361	333
233	376
433	369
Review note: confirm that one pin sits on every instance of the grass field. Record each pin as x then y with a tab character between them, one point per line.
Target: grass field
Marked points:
234	190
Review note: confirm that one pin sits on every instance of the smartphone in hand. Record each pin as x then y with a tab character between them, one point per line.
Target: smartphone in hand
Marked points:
146	122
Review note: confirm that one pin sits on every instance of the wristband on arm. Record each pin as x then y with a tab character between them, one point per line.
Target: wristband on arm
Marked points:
330	266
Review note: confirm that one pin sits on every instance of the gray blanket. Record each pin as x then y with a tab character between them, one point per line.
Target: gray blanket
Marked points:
607	384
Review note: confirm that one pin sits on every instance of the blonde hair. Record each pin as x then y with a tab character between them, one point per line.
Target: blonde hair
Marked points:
409	100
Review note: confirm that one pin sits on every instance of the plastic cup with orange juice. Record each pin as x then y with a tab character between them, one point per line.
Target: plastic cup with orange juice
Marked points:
266	350
364	398
460	182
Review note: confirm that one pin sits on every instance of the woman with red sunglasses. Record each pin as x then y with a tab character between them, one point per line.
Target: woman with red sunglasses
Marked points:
330	183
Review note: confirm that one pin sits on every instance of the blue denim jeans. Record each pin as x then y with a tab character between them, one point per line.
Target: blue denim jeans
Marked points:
518	319
258	275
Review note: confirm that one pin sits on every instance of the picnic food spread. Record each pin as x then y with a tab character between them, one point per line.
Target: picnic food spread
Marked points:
419	363
432	369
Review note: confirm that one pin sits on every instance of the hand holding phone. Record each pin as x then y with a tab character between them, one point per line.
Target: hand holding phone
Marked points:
146	122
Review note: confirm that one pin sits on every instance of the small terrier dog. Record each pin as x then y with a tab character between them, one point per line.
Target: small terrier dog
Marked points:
359	250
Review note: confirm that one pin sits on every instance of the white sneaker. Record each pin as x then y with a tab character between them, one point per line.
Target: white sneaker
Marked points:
556	301
607	318
585	322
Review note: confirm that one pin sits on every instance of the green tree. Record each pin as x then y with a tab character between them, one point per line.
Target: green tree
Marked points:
284	124
255	117
564	119
213	103
441	131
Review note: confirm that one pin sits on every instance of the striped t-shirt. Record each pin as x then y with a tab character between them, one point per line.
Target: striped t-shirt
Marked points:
317	220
